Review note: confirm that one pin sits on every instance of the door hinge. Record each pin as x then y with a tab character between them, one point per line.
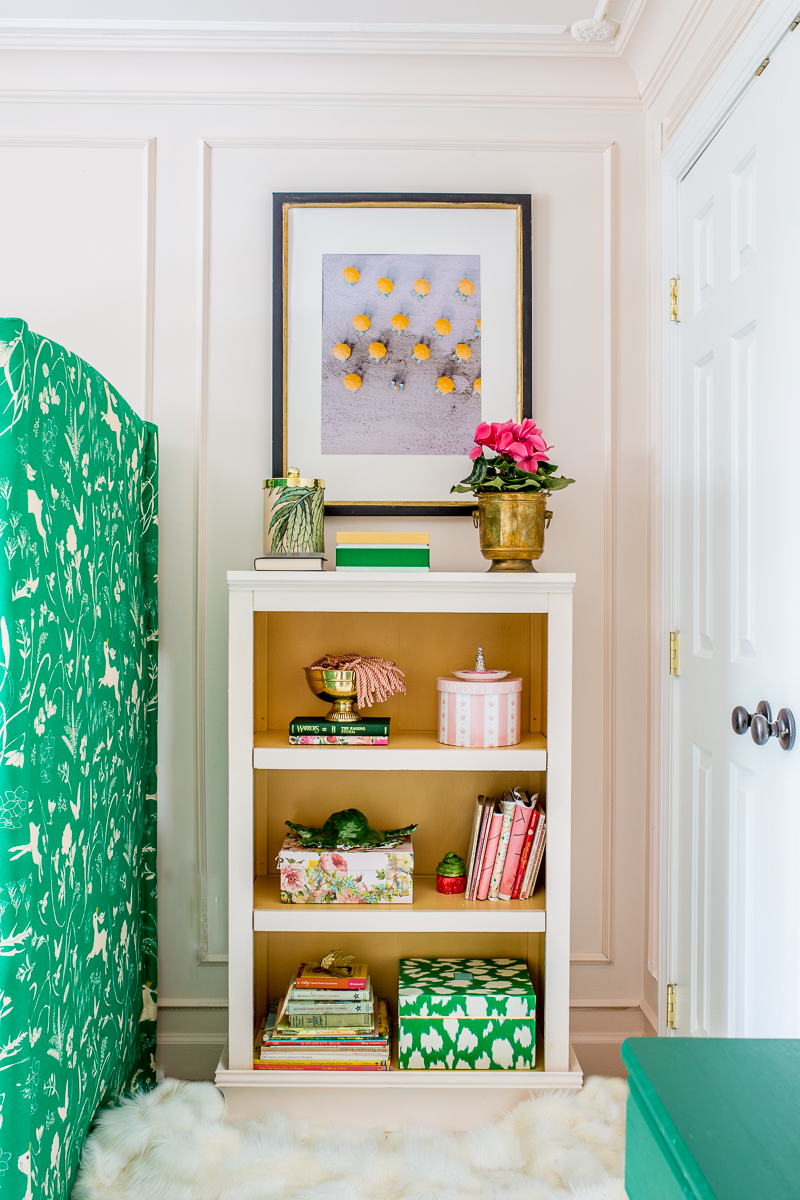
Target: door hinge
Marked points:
794	23
673	299
671	989
674	654
763	67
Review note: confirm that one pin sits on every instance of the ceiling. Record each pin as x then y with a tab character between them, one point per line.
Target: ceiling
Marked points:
529	19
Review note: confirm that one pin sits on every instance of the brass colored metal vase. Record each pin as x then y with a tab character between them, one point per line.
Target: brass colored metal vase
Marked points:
511	529
338	687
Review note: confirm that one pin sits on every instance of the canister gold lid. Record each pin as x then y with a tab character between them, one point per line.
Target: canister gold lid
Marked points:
293	479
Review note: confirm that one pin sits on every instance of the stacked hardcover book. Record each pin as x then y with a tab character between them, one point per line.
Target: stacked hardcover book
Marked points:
326	1023
366	731
311	561
506	847
396	551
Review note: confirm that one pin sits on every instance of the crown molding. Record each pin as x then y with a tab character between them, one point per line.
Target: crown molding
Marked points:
675	50
326	100
279	37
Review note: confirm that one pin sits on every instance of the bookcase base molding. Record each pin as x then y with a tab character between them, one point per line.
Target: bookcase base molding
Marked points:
387	1099
429	624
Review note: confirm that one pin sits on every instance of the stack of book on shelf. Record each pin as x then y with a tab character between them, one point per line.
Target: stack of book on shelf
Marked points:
310	561
326	1023
506	847
366	731
395	551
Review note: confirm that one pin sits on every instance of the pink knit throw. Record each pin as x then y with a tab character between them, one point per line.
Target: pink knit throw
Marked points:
376	678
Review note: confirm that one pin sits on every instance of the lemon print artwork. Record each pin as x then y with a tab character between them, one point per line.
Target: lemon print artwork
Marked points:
399	378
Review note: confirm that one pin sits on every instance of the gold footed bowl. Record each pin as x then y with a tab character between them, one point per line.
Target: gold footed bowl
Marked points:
511	529
338	687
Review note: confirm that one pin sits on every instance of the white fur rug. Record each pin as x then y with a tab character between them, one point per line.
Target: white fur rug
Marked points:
171	1144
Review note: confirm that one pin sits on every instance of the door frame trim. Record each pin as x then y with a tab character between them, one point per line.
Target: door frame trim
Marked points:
766	31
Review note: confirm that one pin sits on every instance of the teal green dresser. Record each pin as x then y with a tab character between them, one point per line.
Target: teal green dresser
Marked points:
712	1118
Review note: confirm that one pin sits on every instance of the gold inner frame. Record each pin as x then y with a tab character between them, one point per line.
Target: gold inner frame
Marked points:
466	505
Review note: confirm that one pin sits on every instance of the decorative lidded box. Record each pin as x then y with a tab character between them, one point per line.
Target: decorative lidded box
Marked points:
473	1014
479	712
352	876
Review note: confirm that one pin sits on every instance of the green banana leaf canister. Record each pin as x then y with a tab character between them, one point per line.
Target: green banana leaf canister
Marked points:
294	515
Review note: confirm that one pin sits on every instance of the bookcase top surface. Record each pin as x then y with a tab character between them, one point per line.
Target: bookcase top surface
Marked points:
332	582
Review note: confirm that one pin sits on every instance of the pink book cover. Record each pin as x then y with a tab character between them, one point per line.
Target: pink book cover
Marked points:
480	851
519	828
492	842
523	858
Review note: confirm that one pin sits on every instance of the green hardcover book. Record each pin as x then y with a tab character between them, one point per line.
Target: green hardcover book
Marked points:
331	1020
383	558
314	727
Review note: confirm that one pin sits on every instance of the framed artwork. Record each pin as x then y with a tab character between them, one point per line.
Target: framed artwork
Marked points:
400	321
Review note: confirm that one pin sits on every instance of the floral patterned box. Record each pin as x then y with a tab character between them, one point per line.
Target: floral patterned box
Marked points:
346	876
473	1014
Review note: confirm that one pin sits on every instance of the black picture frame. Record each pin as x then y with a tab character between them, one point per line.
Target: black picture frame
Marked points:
282	203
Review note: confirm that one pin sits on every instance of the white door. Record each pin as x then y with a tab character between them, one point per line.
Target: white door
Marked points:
735	854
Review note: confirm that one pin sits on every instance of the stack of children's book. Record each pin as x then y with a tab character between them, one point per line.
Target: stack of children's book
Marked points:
506	847
326	1023
313	731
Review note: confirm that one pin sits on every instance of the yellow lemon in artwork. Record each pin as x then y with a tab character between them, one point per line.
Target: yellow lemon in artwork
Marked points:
352	382
441	327
385	286
351	275
341	351
478	327
476	387
465	288
399	322
361	323
421	288
444	385
420	352
462	352
377	351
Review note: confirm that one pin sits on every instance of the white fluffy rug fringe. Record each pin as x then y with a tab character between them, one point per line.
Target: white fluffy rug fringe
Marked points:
172	1144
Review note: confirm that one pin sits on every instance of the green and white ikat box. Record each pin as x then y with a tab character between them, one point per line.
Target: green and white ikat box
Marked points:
466	1014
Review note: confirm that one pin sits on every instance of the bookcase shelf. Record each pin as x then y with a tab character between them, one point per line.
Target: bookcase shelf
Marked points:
431	912
429	624
408	750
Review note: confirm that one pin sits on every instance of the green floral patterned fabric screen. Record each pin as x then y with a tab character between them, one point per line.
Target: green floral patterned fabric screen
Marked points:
78	697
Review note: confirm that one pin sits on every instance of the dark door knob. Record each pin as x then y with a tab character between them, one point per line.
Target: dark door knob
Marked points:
761	725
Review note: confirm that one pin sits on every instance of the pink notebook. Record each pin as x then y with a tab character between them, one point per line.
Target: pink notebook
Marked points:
519	828
491	854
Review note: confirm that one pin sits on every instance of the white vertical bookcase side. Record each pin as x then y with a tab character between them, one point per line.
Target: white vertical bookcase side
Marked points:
559	822
240	829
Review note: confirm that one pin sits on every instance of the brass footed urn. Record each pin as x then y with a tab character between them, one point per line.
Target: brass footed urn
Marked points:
512	490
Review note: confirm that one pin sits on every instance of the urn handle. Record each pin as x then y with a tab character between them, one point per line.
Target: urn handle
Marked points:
475	516
548	516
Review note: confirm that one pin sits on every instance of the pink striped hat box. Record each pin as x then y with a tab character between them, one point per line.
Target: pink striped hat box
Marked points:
479	714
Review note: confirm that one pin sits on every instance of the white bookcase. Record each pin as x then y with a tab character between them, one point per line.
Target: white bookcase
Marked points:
430	624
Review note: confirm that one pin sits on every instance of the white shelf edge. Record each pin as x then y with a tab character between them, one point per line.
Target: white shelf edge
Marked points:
365	919
385	758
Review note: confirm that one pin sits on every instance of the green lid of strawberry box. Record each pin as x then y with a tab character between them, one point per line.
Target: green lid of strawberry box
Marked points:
451	864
